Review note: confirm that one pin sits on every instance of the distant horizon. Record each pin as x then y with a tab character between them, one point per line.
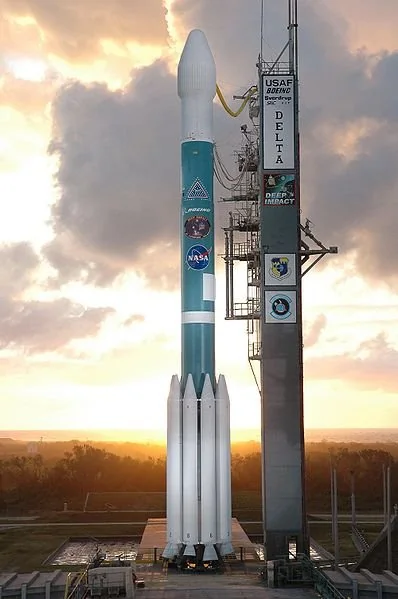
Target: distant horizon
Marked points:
158	436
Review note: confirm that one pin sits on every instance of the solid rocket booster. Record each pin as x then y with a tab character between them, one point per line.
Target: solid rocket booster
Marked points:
198	437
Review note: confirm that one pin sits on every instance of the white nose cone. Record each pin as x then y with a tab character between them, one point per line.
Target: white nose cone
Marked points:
197	88
196	69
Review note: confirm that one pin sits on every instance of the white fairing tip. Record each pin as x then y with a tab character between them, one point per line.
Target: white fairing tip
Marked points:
190	392
221	389
207	391
174	392
196	69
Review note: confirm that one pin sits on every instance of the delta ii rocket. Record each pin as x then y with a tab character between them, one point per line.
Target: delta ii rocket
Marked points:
198	429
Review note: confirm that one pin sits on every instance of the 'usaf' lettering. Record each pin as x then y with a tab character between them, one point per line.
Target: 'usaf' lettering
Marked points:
279	83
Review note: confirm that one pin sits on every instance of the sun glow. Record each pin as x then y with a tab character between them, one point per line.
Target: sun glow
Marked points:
28	69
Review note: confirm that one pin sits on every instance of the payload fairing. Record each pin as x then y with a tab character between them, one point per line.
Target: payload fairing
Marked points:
198	431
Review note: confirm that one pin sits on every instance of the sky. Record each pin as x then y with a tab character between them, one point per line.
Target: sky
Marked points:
89	187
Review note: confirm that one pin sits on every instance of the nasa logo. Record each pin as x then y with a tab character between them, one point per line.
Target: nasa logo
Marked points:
198	257
280	306
197	227
280	267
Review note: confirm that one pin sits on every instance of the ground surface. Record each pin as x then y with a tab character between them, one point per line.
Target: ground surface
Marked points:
26	543
239	583
25	549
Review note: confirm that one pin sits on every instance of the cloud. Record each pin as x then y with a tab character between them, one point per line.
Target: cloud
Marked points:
32	325
18	269
122	365
74	30
118	171
40	326
371	24
315	330
118	179
351	201
26	96
371	367
134	319
16	38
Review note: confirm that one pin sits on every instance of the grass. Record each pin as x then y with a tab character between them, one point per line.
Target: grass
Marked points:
323	535
25	549
93	517
125	501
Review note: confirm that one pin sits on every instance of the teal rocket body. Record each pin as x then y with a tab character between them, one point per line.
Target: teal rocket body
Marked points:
197	263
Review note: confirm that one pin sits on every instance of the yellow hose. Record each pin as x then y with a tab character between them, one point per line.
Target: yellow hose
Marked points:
252	91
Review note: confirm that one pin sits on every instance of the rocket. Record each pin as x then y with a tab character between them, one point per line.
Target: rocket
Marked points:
198	430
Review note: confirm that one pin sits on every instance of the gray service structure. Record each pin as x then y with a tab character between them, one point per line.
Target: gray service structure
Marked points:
282	427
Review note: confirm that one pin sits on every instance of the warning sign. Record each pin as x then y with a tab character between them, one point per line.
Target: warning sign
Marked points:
197	191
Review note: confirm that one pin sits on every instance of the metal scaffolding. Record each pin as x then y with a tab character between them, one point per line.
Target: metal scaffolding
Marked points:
242	237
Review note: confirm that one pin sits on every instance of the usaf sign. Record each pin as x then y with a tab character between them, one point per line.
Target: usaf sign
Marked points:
278	122
280	269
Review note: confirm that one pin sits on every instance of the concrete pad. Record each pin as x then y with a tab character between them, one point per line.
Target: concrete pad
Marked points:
155	536
236	583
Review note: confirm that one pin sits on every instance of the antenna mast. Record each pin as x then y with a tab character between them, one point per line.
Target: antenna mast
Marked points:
261	30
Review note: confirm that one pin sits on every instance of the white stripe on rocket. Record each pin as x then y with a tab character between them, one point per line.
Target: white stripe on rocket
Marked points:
197	317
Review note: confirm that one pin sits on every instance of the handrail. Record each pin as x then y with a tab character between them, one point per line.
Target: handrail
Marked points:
322	583
77	583
68	577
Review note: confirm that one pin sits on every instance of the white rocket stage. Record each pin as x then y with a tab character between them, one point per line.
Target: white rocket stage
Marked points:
155	535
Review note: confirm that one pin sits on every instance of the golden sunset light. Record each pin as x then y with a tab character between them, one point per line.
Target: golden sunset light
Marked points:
90	187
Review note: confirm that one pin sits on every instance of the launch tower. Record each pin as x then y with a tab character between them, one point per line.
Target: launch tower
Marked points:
265	231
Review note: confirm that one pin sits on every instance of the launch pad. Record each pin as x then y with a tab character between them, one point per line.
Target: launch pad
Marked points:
155	535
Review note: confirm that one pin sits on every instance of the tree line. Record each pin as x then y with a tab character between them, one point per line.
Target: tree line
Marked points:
29	482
